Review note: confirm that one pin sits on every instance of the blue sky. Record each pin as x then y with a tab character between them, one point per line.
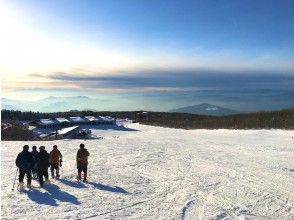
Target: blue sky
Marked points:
147	47
255	27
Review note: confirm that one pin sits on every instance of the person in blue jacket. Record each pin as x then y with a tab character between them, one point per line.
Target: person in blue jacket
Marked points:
25	163
43	165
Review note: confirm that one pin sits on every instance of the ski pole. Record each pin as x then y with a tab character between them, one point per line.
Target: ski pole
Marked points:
14	179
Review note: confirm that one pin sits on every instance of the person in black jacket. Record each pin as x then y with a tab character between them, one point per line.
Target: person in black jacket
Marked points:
25	163
35	168
43	165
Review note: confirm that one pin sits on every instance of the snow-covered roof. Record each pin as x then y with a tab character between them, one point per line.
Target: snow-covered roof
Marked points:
66	130
106	118
71	120
60	120
47	122
90	118
76	119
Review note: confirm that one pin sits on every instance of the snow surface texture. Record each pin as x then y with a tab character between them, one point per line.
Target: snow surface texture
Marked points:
146	172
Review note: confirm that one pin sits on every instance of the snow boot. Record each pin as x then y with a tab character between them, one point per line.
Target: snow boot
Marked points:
79	177
20	186
35	176
85	177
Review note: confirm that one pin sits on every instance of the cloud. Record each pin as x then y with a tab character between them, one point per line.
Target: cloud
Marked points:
173	80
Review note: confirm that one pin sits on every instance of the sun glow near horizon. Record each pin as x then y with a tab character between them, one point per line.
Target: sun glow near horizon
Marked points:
113	42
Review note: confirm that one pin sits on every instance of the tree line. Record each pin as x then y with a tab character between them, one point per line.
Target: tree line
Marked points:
283	119
13	128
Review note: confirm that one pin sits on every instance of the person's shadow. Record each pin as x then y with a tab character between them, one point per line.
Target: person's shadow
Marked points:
52	195
76	184
108	188
62	196
114	189
41	198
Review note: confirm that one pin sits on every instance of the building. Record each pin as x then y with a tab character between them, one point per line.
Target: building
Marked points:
59	123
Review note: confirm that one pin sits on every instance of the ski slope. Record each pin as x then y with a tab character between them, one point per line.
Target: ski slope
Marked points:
146	172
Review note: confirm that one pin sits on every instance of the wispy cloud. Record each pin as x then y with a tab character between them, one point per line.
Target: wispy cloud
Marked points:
172	80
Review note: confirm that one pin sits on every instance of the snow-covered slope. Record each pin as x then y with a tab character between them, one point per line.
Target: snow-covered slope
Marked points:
159	173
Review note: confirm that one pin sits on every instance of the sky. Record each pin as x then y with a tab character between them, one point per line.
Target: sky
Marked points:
156	54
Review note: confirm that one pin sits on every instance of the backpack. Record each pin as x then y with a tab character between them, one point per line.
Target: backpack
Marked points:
43	160
54	156
34	155
82	156
24	161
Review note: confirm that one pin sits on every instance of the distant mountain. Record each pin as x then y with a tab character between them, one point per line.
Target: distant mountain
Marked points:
54	98
8	107
49	104
206	109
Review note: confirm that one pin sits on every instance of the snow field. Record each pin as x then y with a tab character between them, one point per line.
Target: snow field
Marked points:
162	173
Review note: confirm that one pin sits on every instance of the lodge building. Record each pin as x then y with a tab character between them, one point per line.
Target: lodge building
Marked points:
58	123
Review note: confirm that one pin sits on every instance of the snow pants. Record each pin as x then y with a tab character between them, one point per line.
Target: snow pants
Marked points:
82	168
35	171
41	173
22	173
54	167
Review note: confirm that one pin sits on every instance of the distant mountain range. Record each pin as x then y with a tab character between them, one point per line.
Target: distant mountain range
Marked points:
82	103
206	109
49	104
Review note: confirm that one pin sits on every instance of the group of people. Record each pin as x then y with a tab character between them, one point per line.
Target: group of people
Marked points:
35	164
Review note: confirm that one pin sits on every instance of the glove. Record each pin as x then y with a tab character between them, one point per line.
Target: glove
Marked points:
60	163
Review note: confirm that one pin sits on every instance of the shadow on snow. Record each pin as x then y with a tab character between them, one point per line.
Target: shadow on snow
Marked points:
41	198
71	183
114	189
114	127
52	195
108	188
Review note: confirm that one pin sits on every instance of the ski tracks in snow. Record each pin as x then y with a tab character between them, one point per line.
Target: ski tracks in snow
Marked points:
162	173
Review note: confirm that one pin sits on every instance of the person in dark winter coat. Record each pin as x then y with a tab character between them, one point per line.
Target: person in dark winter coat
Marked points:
24	162
35	167
43	165
55	161
82	162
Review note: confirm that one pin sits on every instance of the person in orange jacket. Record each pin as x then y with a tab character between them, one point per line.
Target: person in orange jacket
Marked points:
55	161
82	162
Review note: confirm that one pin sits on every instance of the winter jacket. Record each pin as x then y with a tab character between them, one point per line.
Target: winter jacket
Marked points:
55	156
43	160
24	160
34	154
82	157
